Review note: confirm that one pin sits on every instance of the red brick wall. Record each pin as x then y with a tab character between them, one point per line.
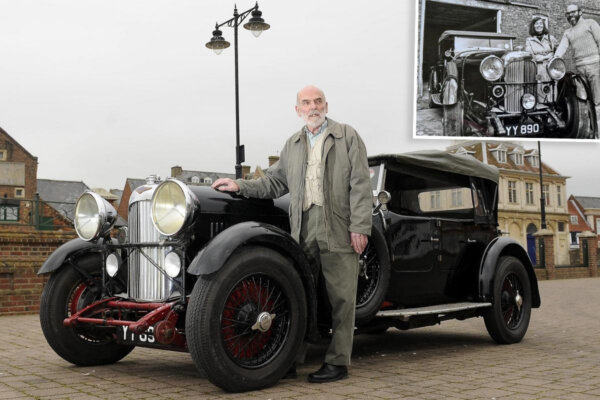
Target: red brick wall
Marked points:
21	256
123	209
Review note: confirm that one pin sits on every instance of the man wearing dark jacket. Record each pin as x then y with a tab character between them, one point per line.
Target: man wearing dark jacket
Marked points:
324	168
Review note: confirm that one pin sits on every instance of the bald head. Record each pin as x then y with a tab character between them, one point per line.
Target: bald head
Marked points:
309	91
573	14
311	106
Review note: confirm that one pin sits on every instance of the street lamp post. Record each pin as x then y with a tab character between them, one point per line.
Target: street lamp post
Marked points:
217	43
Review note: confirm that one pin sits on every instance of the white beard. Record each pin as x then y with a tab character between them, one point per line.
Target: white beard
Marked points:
312	123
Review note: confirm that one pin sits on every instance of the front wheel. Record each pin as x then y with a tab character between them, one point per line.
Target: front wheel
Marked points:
245	324
373	282
67	292
508	318
453	119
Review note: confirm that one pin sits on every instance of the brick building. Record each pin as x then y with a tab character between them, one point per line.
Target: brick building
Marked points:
519	212
588	208
18	173
501	16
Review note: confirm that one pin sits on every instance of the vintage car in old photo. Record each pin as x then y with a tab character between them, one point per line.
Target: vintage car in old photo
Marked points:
487	87
218	275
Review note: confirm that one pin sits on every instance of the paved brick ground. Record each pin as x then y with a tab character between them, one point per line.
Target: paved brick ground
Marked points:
558	359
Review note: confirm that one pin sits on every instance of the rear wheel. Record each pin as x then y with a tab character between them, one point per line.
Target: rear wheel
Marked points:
453	119
245	324
67	292
508	318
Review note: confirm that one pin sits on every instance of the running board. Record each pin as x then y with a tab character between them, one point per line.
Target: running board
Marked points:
405	313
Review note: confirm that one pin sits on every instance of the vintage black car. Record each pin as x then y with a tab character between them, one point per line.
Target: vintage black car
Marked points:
219	275
487	88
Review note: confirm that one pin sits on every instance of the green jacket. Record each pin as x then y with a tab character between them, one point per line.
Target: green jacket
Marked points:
347	191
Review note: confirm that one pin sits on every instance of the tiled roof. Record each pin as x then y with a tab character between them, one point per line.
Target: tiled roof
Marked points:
582	224
61	195
477	148
588	202
134	183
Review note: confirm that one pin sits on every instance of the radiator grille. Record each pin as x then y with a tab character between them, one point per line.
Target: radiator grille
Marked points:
146	282
517	72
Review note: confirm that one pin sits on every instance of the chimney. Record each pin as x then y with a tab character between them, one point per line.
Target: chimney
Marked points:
176	171
273	160
245	171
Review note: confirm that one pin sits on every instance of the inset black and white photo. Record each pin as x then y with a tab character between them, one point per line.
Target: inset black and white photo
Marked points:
507	69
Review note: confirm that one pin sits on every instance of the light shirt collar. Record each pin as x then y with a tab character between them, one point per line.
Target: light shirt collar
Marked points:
312	138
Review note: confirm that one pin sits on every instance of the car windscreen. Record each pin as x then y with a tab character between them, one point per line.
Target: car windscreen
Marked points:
464	43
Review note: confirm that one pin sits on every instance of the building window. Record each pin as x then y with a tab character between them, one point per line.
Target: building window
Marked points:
3	155
19	193
512	191
546	190
561	226
518	158
535	161
500	155
598	225
558	196
207	180
9	212
195	179
457	198
574	220
529	193
436	201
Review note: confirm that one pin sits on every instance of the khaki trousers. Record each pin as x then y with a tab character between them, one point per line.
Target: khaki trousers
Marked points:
591	72
340	271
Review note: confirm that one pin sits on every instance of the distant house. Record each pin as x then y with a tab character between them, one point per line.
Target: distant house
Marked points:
577	221
61	197
18	173
519	211
130	185
198	178
590	208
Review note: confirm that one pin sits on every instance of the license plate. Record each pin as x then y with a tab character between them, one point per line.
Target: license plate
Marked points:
523	129
127	336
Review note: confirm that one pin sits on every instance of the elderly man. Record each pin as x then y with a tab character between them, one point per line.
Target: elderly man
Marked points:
584	38
324	168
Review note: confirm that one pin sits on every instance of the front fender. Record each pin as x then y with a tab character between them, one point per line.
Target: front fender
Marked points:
450	92
582	89
58	257
212	257
504	246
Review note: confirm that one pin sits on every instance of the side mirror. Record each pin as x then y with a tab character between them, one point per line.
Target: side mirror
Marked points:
383	197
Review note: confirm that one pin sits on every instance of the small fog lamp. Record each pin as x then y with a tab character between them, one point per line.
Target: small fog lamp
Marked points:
112	265
172	264
528	101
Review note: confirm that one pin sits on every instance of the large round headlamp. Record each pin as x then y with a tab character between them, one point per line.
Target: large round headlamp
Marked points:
112	265
557	68
173	204
94	216
491	68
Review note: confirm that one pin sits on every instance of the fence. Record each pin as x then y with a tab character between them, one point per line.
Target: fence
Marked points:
35	214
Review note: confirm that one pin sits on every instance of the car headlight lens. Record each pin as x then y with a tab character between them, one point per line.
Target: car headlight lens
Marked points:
112	265
557	68
172	264
94	216
172	206
491	68
528	101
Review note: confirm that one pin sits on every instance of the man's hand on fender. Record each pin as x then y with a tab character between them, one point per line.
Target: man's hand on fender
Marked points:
225	185
359	241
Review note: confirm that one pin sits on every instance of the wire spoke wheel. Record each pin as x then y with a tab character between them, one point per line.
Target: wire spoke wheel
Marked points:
254	321
511	300
368	277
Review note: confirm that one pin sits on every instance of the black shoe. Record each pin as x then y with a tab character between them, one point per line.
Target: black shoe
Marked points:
329	373
291	374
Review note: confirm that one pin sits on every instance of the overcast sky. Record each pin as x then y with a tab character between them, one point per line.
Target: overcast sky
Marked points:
104	90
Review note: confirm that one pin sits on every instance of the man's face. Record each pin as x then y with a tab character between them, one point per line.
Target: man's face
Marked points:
573	14
311	107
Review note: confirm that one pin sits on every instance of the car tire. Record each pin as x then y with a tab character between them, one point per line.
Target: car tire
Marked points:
508	317
433	88
66	292
223	332
577	115
453	119
373	282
